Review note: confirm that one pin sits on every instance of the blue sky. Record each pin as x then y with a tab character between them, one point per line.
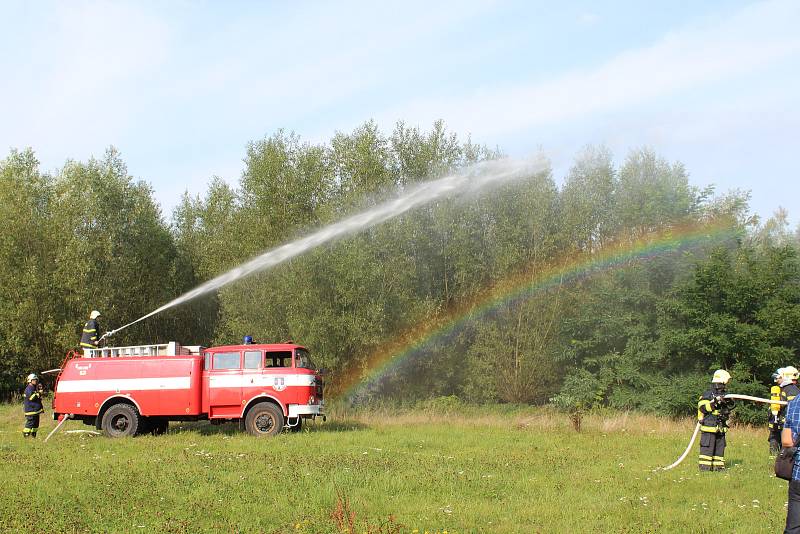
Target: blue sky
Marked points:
181	87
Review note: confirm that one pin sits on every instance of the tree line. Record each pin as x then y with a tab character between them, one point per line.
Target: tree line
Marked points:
644	334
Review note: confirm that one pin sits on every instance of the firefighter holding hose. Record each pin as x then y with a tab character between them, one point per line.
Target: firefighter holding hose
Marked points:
789	388
90	337
775	415
32	406
713	410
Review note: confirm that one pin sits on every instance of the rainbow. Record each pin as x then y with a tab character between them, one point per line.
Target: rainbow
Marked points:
535	278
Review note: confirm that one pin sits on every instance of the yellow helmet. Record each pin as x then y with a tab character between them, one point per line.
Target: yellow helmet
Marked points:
721	376
791	373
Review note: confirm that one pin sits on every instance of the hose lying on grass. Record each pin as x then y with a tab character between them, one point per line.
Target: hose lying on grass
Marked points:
697	426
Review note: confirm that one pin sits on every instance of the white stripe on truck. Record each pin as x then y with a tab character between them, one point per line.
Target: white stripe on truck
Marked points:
123	384
250	381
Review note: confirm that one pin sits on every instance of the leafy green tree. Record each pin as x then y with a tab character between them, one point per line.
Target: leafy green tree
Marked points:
652	193
588	206
28	309
642	335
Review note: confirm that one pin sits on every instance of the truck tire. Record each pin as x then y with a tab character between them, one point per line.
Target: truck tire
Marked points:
264	419
121	420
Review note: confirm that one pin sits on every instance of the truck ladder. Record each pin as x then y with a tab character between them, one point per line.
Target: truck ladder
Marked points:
162	349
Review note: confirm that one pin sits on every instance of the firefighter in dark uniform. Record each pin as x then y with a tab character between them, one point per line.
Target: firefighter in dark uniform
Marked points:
775	419
90	337
789	388
32	406
713	410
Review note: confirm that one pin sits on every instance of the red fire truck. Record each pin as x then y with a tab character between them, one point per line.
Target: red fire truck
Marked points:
125	391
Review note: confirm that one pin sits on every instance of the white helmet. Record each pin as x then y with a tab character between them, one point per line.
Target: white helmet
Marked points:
791	373
94	315
721	376
32	377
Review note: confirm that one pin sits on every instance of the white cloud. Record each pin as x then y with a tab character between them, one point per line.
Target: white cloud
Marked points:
588	18
85	60
753	37
181	90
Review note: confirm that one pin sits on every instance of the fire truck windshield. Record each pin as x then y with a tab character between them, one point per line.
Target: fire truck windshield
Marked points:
302	359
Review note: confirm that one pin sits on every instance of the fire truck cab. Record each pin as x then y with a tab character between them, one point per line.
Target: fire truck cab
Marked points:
125	391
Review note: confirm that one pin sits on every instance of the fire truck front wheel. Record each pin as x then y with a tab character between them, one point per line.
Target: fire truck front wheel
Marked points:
264	419
121	420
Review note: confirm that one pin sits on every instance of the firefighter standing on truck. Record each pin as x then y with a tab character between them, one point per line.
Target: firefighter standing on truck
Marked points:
32	406
713	410
91	332
775	415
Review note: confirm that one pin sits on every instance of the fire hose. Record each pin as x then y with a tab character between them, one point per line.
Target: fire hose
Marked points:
60	423
697	426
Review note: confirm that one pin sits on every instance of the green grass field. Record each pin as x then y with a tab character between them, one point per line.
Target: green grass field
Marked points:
500	469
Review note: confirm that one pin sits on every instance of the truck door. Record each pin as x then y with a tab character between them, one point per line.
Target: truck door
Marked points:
277	370
225	384
252	384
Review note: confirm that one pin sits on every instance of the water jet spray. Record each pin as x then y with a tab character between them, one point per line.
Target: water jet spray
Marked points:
468	180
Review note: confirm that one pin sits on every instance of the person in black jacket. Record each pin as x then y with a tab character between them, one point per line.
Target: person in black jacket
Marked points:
90	337
32	406
712	413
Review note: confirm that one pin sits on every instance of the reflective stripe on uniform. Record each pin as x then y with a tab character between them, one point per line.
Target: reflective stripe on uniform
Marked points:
713	429
34	413
89	330
703	404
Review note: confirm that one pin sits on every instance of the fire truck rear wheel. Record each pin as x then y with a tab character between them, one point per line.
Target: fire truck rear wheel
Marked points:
121	420
264	419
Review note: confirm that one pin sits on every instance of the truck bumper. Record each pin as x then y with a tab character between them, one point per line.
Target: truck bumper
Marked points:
298	410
